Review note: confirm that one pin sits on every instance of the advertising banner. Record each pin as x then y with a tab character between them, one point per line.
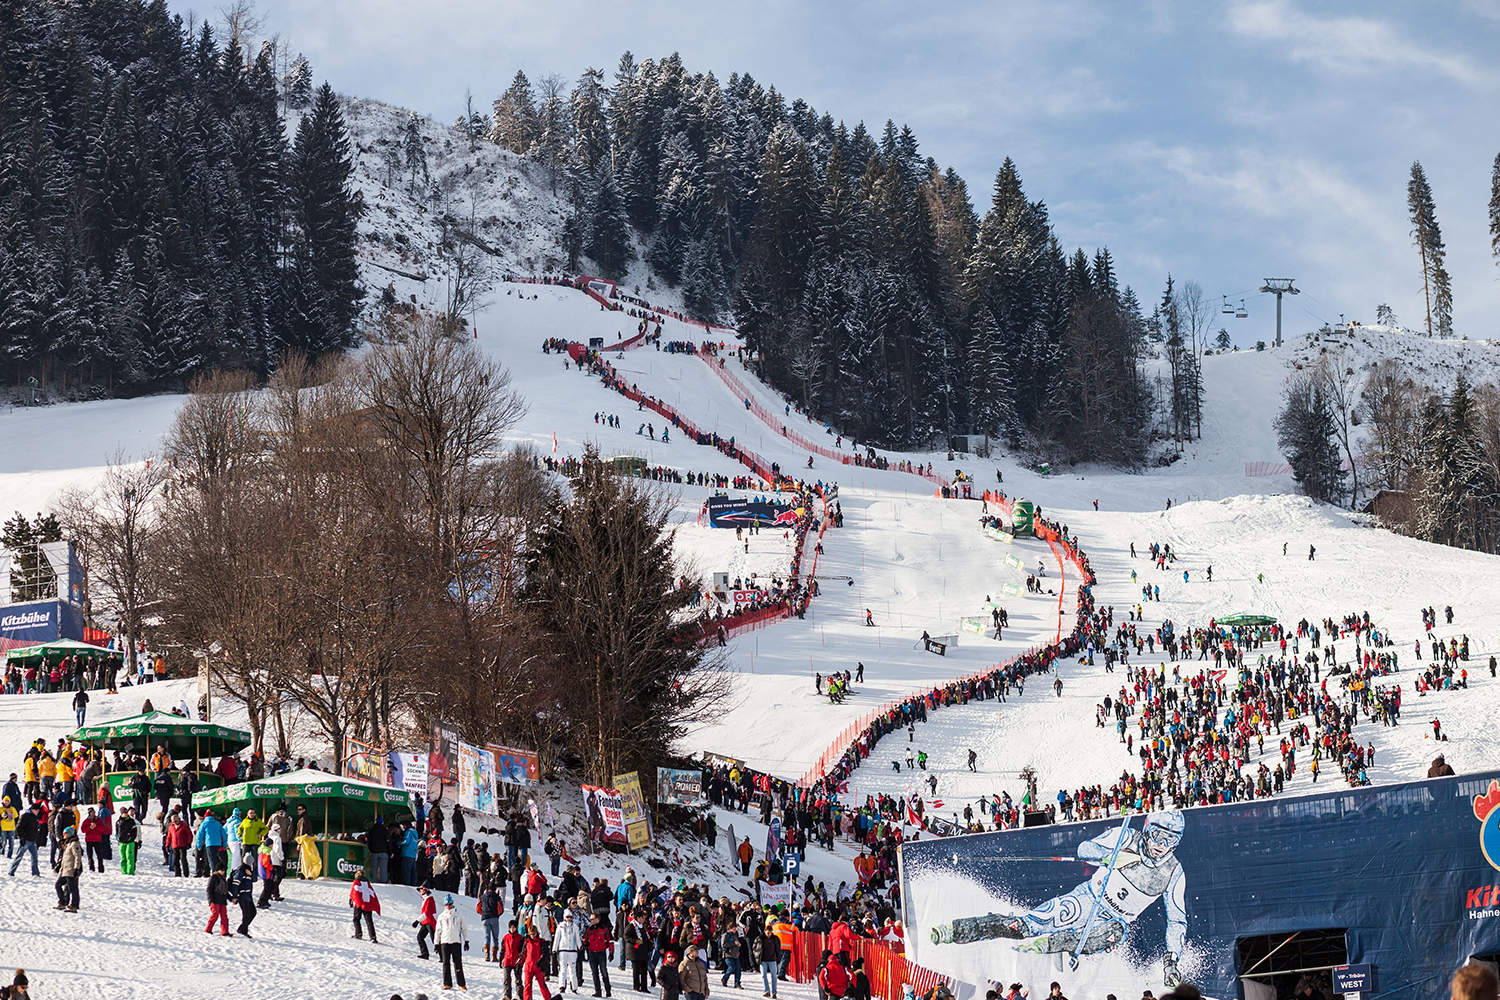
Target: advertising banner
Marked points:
362	760
409	772
677	787
748	596
1411	870
476	779
633	809
38	621
770	894
605	814
727	512
516	767
442	760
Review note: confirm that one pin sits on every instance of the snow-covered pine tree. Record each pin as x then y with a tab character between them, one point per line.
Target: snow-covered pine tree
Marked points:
514	121
1305	430
324	283
298	82
608	241
1428	239
989	379
703	284
1455	497
590	126
1495	210
414	154
554	129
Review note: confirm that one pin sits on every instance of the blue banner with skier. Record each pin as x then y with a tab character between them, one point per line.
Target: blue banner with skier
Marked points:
728	512
1165	897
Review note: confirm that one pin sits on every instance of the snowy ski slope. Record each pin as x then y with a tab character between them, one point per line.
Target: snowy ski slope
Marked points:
915	561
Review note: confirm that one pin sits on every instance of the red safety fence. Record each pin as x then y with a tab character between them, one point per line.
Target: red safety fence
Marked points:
777	424
614	301
584	284
745	457
887	970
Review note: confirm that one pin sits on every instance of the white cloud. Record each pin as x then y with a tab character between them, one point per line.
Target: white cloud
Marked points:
1349	44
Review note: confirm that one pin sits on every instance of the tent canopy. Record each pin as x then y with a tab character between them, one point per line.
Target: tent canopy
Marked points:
182	737
333	803
56	650
1234	621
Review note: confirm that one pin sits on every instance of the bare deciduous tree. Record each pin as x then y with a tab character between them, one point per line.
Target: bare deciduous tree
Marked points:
117	523
1335	371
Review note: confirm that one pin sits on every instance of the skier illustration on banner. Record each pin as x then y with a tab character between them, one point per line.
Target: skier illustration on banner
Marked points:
1136	868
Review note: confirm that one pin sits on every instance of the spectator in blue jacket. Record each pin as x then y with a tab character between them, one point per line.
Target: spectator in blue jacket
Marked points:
410	844
212	840
624	903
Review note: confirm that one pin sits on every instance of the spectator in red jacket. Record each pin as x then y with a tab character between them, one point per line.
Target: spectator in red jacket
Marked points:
597	940
178	839
841	938
531	958
92	829
511	947
833	977
426	923
365	903
536	882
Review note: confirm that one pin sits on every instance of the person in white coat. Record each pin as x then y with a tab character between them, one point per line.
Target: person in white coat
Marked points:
566	941
452	939
236	847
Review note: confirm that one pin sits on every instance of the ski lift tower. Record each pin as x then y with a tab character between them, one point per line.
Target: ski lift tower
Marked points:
1279	287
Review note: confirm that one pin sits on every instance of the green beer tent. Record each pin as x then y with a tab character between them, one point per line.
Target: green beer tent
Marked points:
1238	621
334	804
183	738
50	651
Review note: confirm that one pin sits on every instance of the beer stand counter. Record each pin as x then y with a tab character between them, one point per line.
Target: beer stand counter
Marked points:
338	807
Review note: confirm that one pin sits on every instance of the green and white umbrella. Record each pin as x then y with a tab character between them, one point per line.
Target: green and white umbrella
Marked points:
183	738
56	651
334	804
1234	621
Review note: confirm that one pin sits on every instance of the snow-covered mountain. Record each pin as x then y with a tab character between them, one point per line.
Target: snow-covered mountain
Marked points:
512	205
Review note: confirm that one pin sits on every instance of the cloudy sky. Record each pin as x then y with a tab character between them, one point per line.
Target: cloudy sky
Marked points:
1223	142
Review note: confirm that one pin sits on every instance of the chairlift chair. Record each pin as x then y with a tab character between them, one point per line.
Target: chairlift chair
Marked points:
1227	310
1242	312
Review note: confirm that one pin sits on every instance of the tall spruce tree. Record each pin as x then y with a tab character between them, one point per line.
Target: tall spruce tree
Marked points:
602	583
324	275
608	239
1495	210
1428	239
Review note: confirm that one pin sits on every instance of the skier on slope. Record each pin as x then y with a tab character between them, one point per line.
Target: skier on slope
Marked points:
1144	870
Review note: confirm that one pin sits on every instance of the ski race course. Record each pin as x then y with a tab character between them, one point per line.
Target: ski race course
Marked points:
914	561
